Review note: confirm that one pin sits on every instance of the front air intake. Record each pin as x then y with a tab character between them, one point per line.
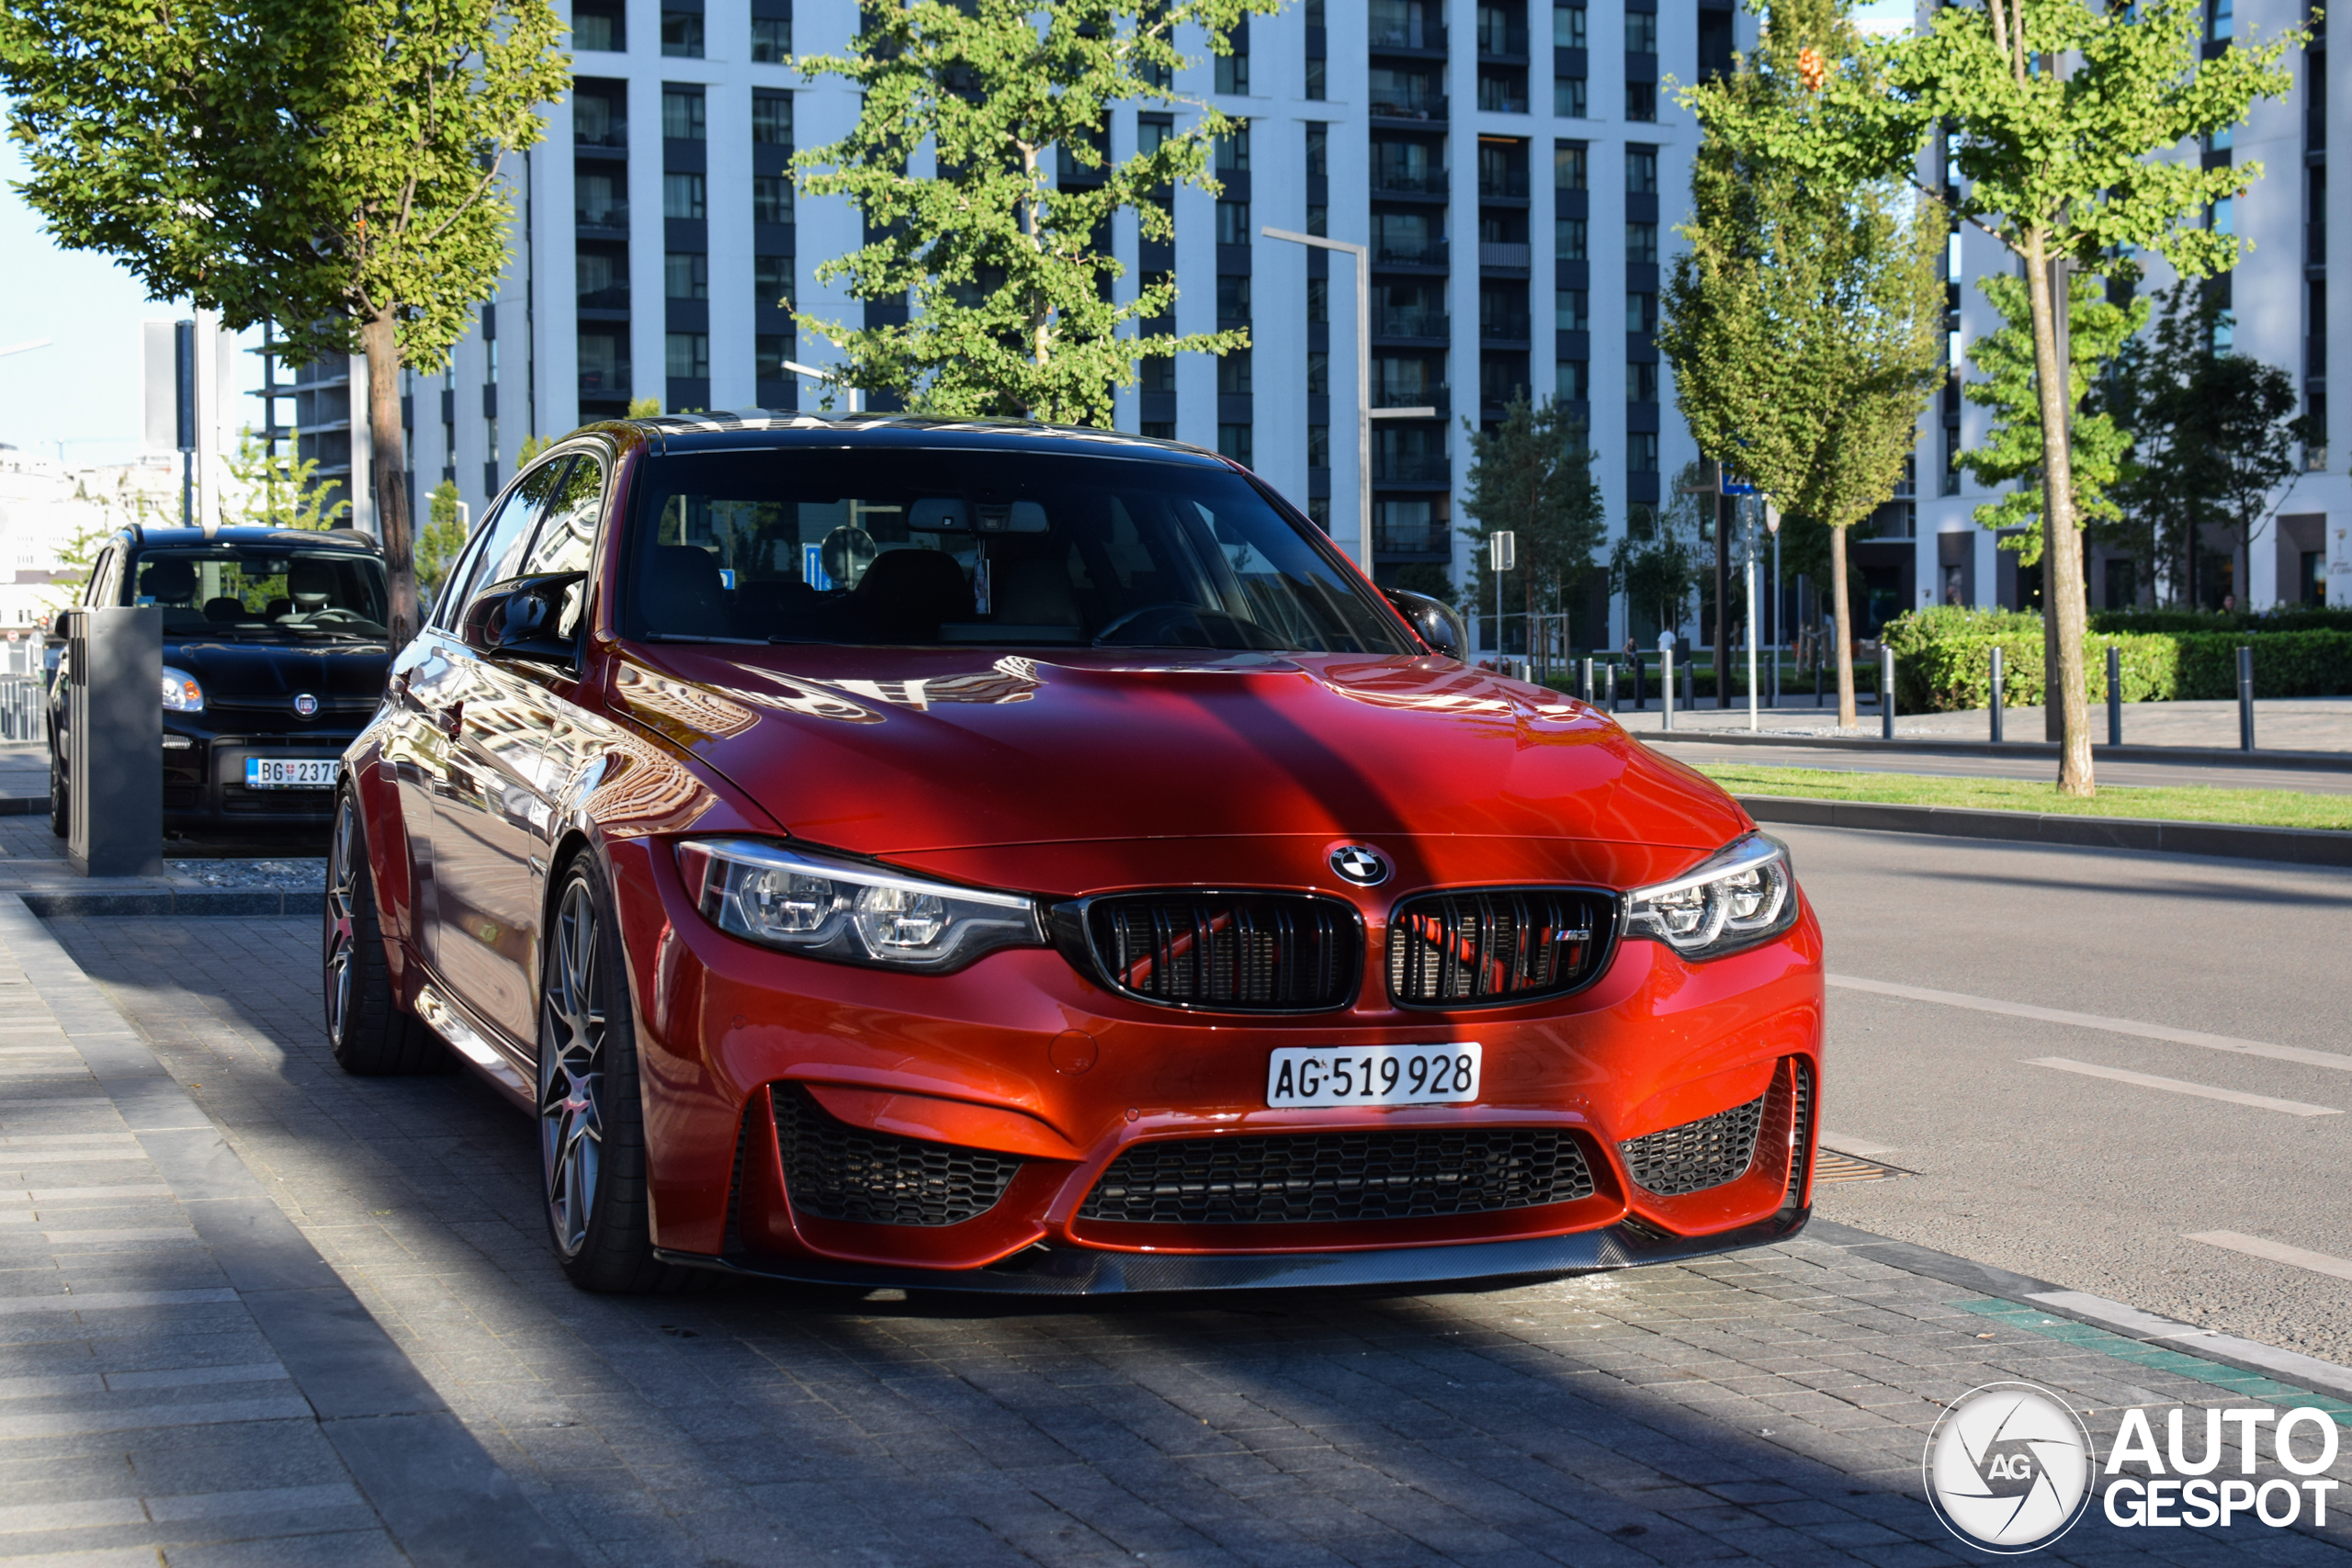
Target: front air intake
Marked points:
1492	947
1292	1177
1231	951
835	1171
1698	1155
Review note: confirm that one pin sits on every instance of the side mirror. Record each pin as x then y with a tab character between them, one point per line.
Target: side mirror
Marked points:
518	619
1433	621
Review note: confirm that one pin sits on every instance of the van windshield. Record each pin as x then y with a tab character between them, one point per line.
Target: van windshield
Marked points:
261	595
1020	549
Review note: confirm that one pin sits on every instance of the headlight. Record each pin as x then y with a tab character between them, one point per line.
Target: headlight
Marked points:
856	914
1736	899
181	694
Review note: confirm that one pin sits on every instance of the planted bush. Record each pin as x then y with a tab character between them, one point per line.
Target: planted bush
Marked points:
1943	658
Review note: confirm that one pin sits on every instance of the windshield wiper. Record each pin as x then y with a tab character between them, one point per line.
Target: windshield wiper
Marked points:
686	638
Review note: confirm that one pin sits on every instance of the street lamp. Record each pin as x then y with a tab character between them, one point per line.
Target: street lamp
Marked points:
1365	413
814	373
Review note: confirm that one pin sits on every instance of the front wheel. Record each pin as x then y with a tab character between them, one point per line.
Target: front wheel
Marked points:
592	1127
371	1034
60	806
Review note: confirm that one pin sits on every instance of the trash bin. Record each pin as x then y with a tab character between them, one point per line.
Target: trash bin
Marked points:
114	741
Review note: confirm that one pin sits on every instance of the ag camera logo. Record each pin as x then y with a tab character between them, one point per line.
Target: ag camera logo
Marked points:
2008	1467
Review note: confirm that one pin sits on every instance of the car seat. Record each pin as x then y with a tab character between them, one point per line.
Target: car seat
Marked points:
171	580
311	584
1033	592
906	593
224	609
682	591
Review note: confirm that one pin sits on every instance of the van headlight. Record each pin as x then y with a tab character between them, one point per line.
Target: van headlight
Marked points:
823	908
181	693
1735	899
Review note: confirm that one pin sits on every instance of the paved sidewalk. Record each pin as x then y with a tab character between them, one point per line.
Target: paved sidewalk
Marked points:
1770	1406
2281	724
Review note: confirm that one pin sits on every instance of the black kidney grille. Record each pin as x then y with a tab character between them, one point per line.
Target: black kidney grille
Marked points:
1247	952
835	1171
1697	1154
1281	1178
1503	945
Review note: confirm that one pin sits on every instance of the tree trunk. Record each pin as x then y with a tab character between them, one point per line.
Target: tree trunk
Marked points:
2062	547
387	464
1844	632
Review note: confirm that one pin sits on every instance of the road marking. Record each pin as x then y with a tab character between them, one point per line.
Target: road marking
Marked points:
2277	1252
2331	1059
1847	1144
2177	1086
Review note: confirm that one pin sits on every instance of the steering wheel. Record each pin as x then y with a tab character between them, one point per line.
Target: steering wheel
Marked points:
1132	615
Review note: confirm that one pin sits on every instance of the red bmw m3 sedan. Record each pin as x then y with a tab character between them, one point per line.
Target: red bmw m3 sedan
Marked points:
974	855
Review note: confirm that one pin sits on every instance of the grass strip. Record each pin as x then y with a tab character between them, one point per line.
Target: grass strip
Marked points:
2192	803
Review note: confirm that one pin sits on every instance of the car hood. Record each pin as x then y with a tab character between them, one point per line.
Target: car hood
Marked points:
900	751
351	671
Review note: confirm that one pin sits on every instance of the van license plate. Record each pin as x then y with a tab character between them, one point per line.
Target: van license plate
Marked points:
291	772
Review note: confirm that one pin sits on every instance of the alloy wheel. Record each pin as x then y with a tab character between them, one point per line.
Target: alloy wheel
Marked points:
571	1070
343	897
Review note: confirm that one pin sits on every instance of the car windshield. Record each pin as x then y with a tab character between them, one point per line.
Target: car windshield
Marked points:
274	594
898	546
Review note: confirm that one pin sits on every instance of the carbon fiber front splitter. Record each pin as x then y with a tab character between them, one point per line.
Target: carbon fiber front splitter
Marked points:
1044	1271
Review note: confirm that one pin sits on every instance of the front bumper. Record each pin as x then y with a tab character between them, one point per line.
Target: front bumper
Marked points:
204	780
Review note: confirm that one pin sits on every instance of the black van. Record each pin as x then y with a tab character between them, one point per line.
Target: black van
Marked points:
275	651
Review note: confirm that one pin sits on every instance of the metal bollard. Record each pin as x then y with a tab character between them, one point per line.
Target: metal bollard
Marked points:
2245	699
1666	688
1584	681
1641	684
1689	689
1612	672
1886	691
2114	695
1998	696
1817	682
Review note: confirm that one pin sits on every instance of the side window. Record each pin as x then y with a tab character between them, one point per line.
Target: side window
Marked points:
567	538
99	589
497	550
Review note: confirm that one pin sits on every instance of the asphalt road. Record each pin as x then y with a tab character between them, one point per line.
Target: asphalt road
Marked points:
2097	1182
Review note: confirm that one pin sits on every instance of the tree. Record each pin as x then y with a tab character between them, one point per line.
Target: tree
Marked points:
443	537
2059	113
1532	476
2097	447
1008	271
334	168
1656	563
281	491
1804	323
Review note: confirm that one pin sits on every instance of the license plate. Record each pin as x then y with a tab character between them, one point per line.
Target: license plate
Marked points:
291	772
1375	1075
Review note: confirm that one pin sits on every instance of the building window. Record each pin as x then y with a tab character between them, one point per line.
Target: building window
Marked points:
1503	92
1641	170
1232	222
600	25
682	197
1319	219
771	120
686	274
1233	151
1318	374
1569	101
1572	312
682	114
1318	445
1233	298
1233	441
689	355
769	351
1569	165
1573	384
1641	312
1233	70
1318	511
601	280
1641	32
772	280
1641	101
1233	373
1318	299
1568	239
681	34
1317	79
1567	26
1319	149
771	40
1641	244
1157	375
2219	21
1641	452
1160	430
1641	383
771	199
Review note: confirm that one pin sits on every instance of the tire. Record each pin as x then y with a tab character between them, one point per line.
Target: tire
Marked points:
59	795
592	1124
372	1036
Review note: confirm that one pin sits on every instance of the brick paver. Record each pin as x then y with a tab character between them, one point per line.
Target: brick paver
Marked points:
1769	1406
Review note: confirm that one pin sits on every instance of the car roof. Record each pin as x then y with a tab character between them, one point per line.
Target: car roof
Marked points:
152	536
784	427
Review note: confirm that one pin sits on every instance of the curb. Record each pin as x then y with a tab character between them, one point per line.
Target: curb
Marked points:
2224	840
178	903
2037	751
24	805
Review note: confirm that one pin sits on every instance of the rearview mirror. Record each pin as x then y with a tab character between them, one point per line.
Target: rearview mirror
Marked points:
518	619
1433	621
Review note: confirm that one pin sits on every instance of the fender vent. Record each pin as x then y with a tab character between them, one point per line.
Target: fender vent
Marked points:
835	1171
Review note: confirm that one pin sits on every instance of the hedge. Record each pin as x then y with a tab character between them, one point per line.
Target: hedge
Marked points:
1943	662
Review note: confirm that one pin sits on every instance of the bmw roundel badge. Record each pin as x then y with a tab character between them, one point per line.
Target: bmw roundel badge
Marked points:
1360	865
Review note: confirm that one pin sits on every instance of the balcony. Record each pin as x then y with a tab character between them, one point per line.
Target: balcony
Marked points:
2315	356
611	135
1408	322
1410	468
1411	105
2315	242
1409	182
1502	254
604	383
1503	94
1506	185
1507	41
1414	36
1412	538
1409	252
1427	395
602	215
1503	326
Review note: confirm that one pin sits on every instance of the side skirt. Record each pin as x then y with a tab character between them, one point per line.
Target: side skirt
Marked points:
484	1049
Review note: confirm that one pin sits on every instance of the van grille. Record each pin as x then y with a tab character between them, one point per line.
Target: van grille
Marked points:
835	1171
1243	951
1496	946
1287	1178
